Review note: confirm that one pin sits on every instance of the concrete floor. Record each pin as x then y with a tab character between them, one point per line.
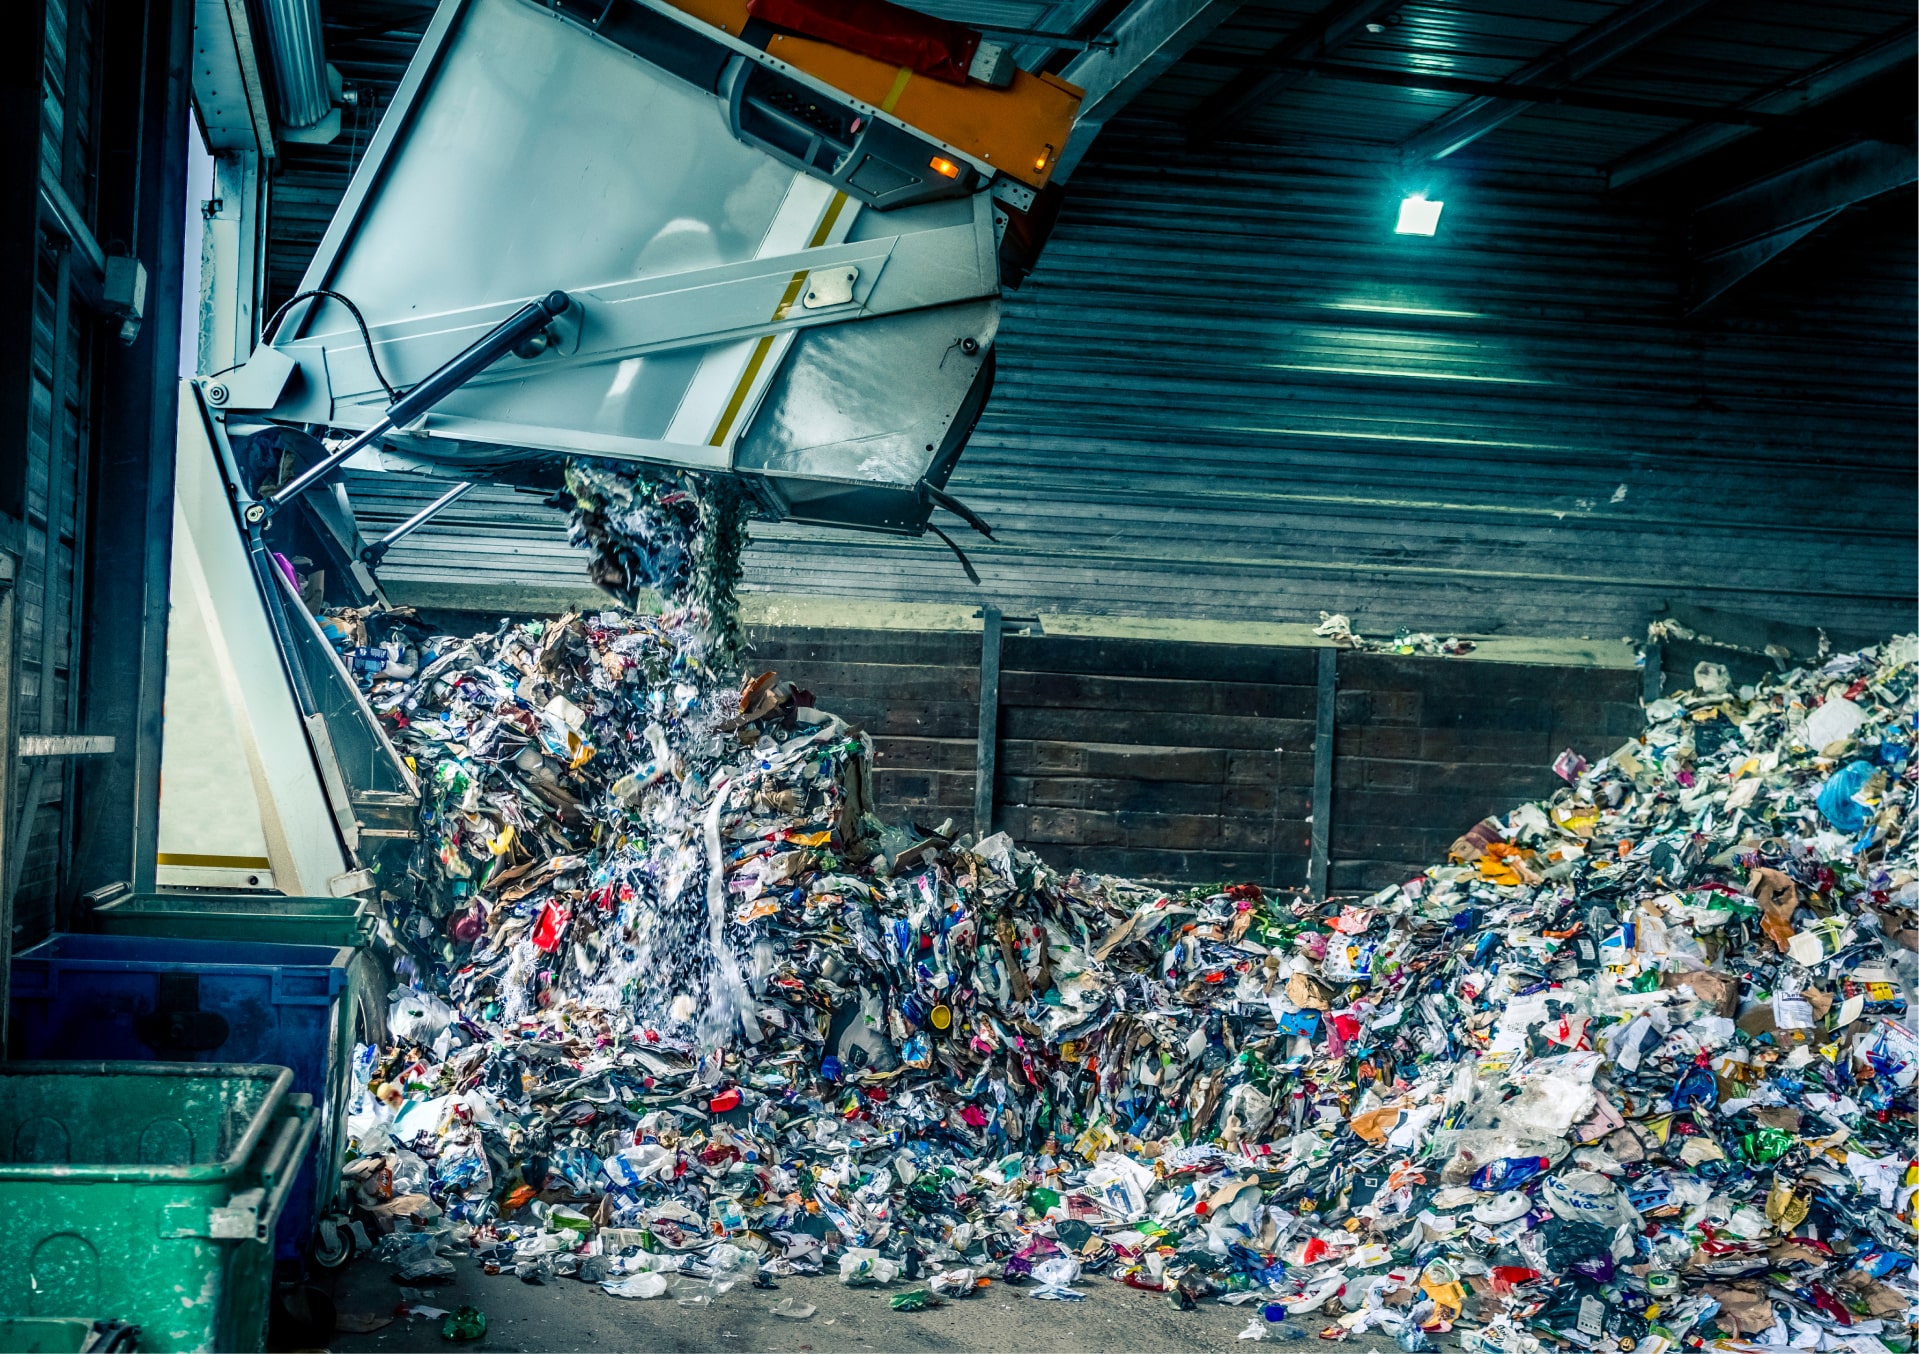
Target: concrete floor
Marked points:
569	1315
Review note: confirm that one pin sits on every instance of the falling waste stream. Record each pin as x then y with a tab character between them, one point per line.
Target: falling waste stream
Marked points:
682	1011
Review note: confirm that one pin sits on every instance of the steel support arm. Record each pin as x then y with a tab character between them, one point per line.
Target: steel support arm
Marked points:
1147	39
376	552
1801	93
1737	234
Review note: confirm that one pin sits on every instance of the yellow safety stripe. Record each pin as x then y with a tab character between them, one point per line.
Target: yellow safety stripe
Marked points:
753	365
214	862
792	293
826	222
899	88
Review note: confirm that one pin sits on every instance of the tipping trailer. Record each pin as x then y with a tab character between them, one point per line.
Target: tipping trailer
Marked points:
764	239
675	234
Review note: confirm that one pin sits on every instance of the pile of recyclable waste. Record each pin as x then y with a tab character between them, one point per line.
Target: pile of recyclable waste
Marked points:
1634	1067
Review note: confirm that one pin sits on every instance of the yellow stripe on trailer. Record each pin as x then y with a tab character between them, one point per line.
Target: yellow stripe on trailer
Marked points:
212	862
765	344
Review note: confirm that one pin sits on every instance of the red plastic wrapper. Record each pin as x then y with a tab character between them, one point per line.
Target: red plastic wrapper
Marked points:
550	927
886	32
1505	1278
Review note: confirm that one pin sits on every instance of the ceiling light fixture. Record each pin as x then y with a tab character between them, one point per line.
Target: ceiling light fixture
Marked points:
1418	216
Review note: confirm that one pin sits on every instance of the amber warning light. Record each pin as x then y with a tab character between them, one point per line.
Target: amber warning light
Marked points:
944	167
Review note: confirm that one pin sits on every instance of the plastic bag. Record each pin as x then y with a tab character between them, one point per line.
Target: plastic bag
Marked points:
415	1017
416	1261
1053	1274
732	1265
1586	1196
642	1285
954	1283
863	1266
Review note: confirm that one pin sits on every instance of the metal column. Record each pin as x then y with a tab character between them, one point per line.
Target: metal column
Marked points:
1323	771
986	759
146	65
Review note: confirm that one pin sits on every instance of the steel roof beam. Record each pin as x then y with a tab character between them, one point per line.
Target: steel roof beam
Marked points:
1799	94
1733	236
1600	45
1145	41
1567	98
1066	19
1286	64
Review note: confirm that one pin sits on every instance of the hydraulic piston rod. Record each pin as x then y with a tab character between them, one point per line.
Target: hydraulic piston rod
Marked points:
515	330
375	552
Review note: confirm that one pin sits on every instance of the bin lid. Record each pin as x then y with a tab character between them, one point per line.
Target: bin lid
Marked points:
74	949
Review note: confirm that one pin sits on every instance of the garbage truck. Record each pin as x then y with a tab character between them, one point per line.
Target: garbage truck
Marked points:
760	239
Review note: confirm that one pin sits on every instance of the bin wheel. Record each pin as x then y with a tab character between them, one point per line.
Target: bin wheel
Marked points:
333	1244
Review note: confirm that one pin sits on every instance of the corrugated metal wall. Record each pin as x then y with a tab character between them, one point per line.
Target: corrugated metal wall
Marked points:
1231	391
48	539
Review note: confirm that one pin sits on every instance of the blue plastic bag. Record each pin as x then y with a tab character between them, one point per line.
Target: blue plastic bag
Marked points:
1835	797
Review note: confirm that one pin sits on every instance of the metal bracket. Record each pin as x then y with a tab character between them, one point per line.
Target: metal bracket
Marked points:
1325	705
829	287
561	337
986	755
256	383
333	781
993	628
1014	194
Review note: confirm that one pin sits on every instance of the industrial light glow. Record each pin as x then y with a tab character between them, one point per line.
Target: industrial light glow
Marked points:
946	169
1418	216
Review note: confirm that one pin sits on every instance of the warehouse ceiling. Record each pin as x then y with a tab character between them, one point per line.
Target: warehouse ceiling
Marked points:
1695	212
1634	93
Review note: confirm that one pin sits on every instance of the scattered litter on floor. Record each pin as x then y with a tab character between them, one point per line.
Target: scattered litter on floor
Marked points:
1340	631
1634	1067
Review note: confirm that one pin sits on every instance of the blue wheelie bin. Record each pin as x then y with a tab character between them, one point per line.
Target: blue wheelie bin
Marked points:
123	998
